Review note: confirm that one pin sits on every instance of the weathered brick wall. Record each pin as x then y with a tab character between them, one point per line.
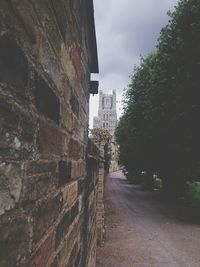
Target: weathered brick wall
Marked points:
47	202
91	200
100	197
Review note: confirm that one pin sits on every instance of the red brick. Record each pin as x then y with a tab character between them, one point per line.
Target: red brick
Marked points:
74	170
23	9
64	172
50	139
44	252
76	60
76	149
14	238
78	169
44	214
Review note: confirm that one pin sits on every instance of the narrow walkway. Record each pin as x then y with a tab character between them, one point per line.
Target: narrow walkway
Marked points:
142	231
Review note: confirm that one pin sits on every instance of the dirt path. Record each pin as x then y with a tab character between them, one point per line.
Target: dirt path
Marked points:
142	231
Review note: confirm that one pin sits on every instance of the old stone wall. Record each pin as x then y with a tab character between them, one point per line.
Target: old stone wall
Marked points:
91	203
100	197
48	184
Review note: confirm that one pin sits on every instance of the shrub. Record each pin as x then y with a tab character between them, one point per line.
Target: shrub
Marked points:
194	193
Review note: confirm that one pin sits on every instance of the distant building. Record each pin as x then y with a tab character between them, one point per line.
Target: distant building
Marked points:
107	118
107	113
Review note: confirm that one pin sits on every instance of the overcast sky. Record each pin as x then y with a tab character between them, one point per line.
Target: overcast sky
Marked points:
126	30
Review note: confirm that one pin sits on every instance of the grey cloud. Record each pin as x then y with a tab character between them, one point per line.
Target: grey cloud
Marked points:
125	30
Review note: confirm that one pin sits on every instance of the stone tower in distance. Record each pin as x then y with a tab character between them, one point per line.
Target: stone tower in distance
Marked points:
107	113
107	118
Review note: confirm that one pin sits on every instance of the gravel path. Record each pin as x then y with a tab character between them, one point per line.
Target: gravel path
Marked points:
143	231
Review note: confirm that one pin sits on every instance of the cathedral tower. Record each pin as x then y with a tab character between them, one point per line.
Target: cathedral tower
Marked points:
107	113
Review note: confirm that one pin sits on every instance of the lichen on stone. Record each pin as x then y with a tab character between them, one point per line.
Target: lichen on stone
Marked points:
17	143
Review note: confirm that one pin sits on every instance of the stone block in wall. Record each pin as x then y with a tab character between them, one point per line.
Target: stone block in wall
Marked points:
54	263
40	179
36	187
60	16
50	140
81	185
81	131
91	199
44	252
62	228
100	204
18	130
46	100
67	65
37	167
49	60
66	221
66	90
74	211
92	255
74	104
13	66
11	178
66	119
25	14
74	256
76	126
76	59
92	214
81	203
78	169
70	194
15	241
48	23
71	239
66	140
84	109
44	214
64	172
76	149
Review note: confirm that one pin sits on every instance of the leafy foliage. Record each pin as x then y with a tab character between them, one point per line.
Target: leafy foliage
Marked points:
159	130
103	137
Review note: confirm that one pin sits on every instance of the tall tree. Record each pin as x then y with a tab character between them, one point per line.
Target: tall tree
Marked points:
159	130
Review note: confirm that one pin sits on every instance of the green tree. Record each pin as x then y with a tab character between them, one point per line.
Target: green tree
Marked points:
159	130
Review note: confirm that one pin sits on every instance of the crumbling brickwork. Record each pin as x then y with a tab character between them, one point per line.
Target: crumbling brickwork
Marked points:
48	184
100	197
